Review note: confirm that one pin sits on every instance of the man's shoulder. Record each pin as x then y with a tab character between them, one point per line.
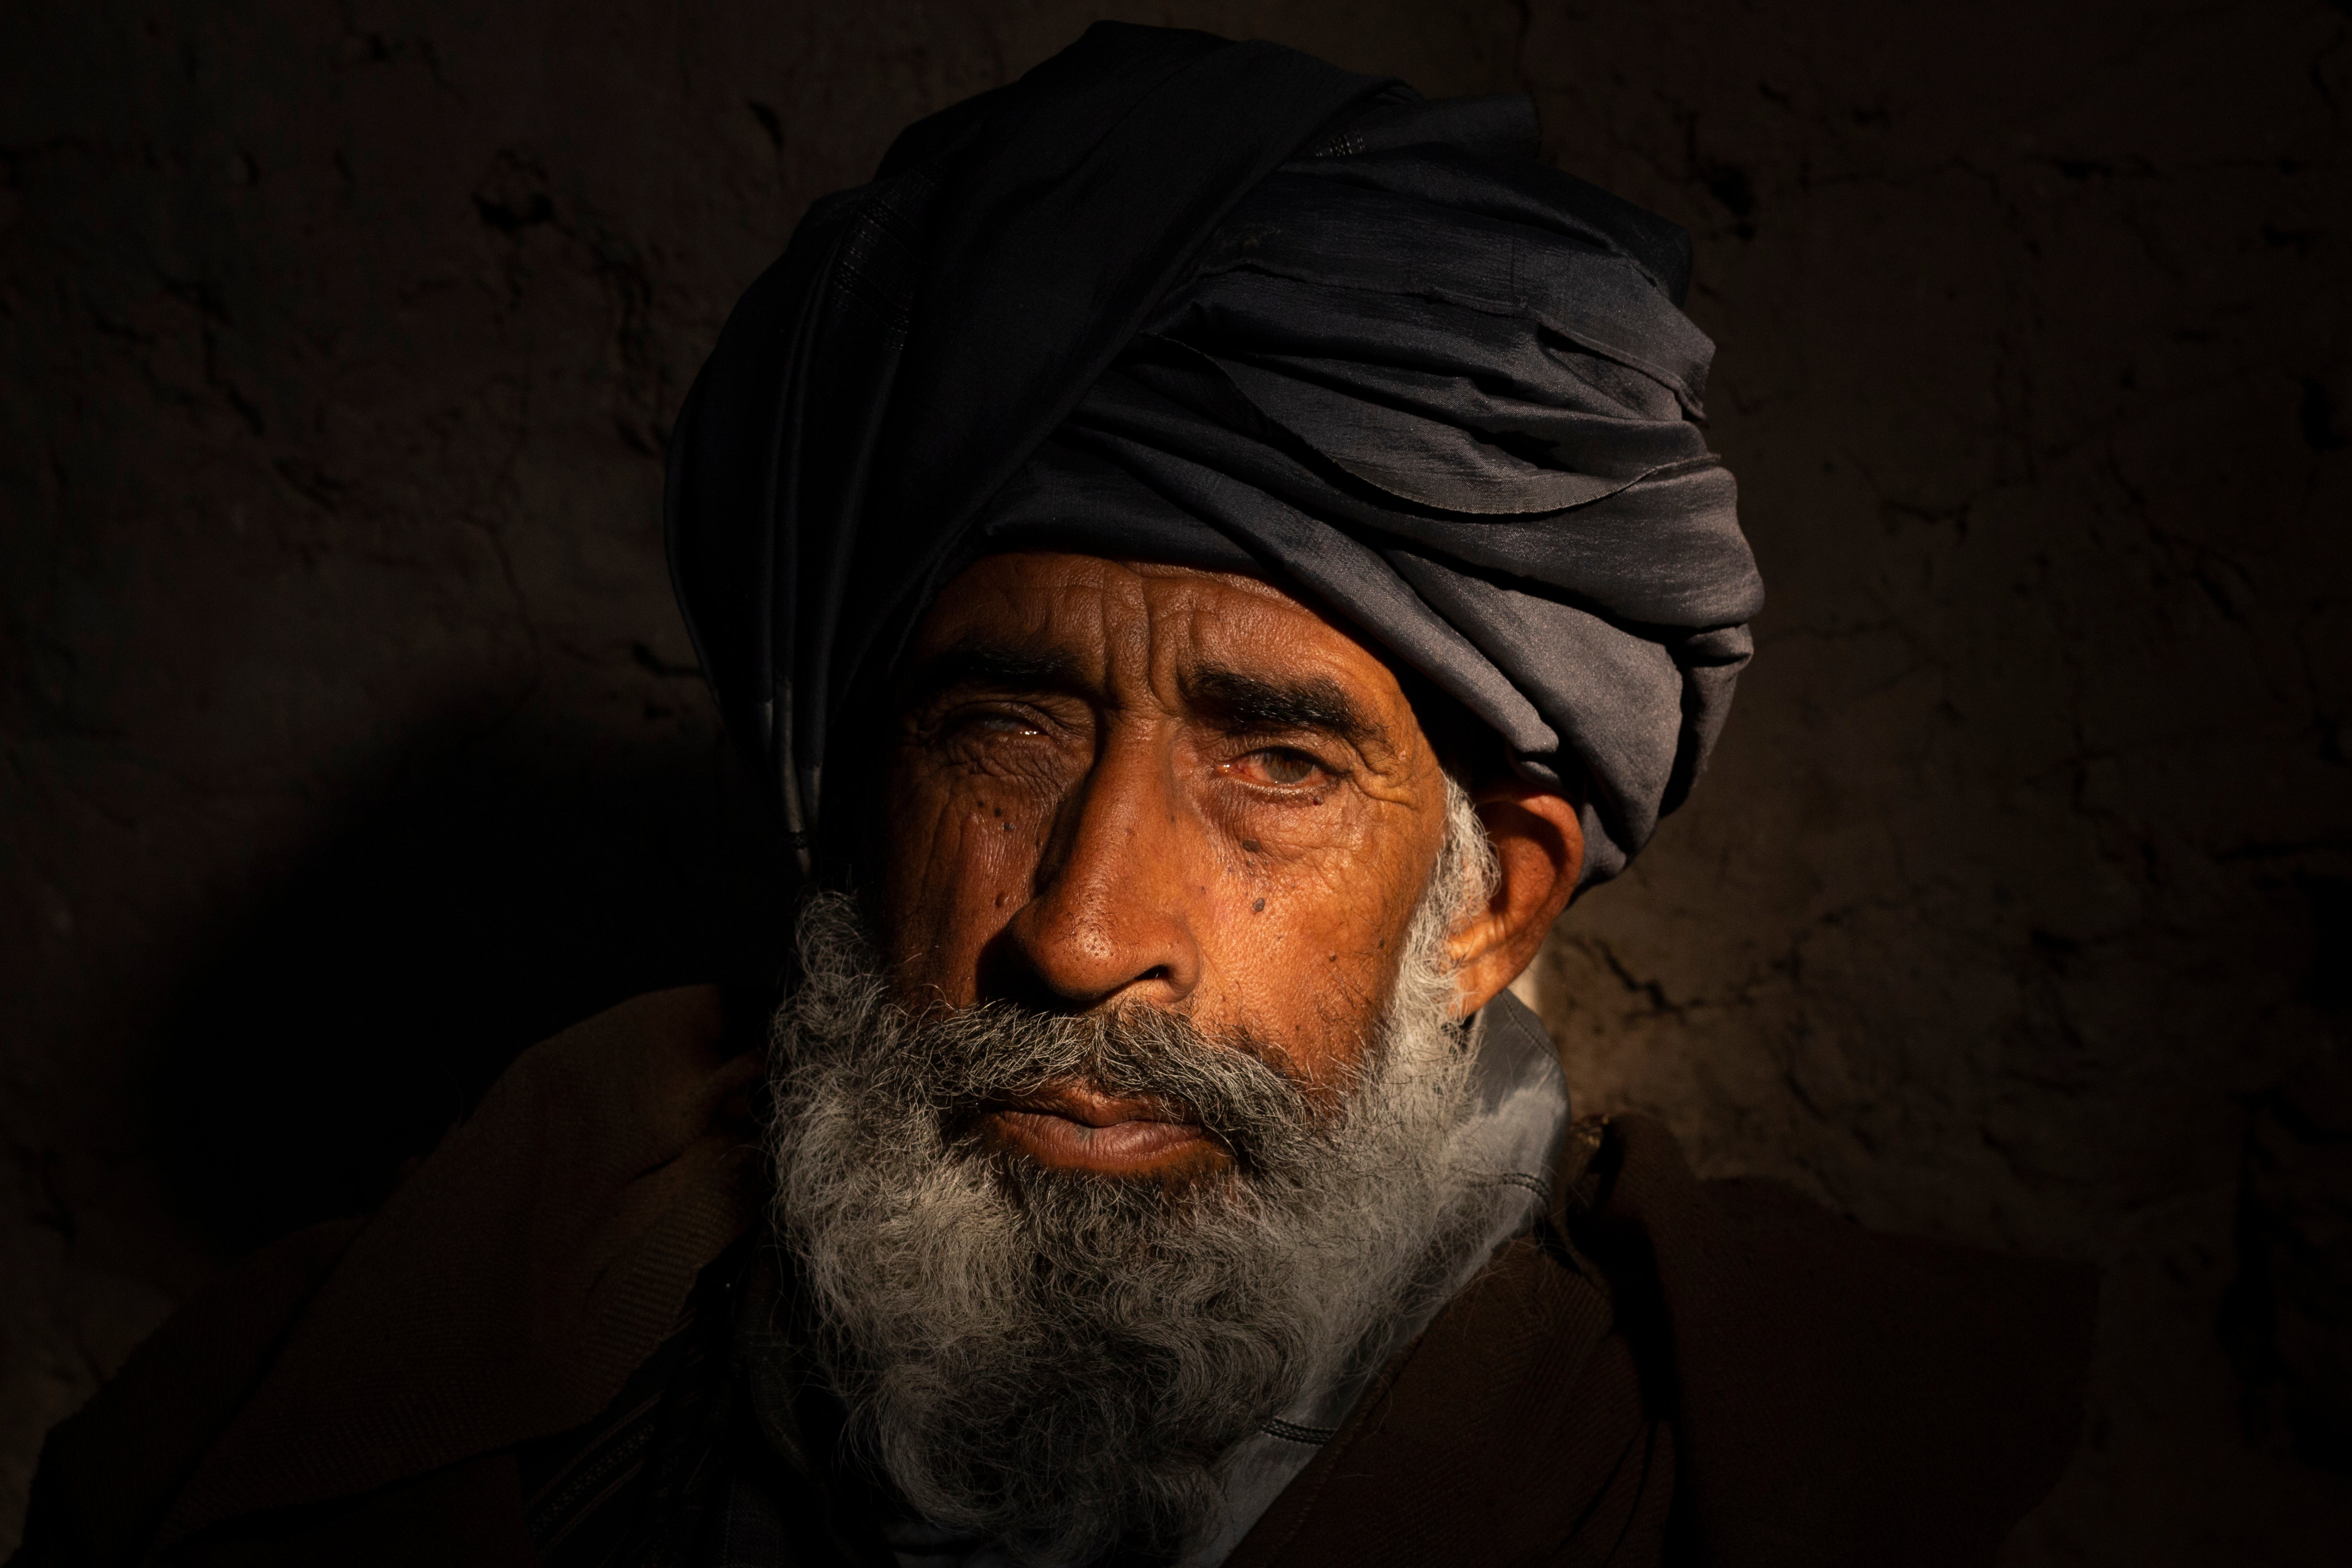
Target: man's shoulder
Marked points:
1868	1397
503	1292
1721	1365
109	1472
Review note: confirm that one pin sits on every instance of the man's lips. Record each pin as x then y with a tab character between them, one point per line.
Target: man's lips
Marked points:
1078	1128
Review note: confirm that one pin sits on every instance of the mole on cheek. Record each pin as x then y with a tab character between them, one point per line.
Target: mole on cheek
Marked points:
1258	908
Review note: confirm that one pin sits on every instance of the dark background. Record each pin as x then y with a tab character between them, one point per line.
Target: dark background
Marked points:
349	739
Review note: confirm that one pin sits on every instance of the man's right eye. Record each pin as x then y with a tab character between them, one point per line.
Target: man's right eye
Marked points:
990	722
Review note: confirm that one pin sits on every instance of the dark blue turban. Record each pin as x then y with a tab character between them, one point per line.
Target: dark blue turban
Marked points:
1175	299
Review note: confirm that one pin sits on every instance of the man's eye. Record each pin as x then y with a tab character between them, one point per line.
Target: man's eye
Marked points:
992	721
1277	766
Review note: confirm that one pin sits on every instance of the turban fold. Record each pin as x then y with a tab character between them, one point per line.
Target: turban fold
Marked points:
1175	299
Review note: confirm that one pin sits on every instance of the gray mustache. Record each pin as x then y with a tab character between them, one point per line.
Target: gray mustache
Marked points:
1243	1090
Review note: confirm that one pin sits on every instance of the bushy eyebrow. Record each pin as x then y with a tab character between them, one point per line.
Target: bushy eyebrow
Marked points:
971	663
1232	700
1244	703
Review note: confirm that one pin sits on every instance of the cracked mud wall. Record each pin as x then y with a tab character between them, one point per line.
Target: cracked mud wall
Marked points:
351	741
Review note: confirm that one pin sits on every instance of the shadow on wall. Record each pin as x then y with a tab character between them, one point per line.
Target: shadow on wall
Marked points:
477	904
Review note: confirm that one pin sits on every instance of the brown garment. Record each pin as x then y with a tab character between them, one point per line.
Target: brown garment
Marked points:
1668	1370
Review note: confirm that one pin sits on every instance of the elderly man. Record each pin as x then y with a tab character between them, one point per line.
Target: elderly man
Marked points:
1210	552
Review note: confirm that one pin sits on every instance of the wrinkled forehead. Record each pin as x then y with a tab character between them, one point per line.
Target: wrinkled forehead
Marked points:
1124	626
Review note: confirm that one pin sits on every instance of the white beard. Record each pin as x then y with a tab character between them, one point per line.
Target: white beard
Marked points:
1056	1361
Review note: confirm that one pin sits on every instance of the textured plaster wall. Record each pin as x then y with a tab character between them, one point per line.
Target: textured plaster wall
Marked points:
2014	906
348	739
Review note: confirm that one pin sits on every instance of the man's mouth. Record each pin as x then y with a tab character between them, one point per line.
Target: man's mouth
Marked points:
1074	1127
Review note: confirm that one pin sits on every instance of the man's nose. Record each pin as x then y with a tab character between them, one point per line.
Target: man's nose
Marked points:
1111	916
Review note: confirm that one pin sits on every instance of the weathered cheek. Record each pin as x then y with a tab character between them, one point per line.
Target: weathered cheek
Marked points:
1302	945
969	859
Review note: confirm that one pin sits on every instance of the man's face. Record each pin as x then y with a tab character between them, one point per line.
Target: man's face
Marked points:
1171	886
1115	783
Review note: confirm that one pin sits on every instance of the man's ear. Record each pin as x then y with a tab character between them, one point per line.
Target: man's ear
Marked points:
1538	839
